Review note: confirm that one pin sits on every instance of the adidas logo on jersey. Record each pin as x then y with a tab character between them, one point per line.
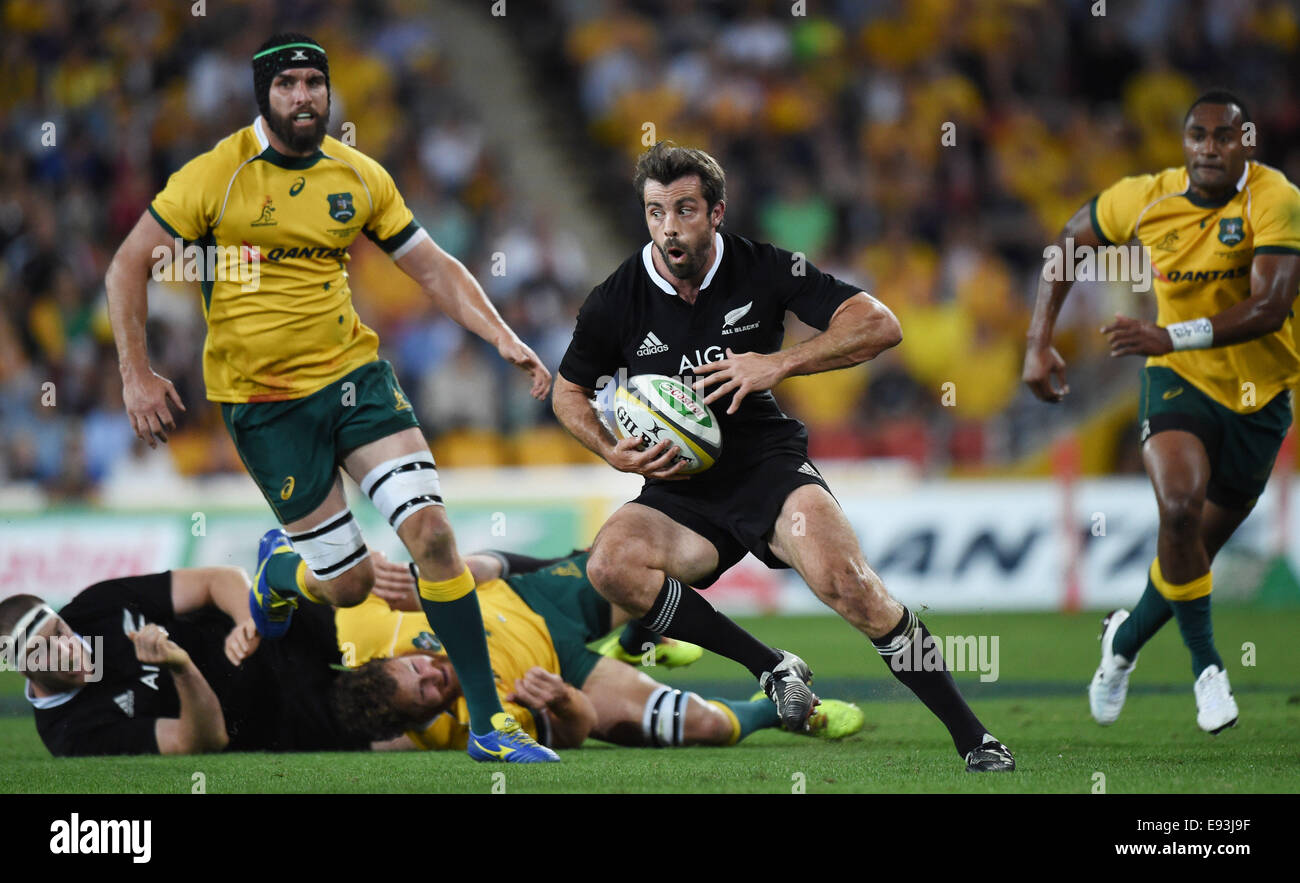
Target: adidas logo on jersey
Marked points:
126	702
652	346
808	469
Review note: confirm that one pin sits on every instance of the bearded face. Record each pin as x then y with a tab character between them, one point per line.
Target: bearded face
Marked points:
681	224
300	109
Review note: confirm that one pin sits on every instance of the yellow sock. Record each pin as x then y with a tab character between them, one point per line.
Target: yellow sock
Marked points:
447	589
300	576
1197	588
731	716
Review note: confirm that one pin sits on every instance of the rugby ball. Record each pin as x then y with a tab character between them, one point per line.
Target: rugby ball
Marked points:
654	407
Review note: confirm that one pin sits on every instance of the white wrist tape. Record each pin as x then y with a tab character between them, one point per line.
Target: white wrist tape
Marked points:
1196	334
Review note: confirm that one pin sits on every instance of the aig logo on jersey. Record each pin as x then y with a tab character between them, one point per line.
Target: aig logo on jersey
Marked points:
341	206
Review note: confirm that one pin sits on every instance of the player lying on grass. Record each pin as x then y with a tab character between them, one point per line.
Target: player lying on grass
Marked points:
152	665
539	618
1223	238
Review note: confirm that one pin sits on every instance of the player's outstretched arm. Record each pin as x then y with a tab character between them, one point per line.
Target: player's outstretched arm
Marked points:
458	294
572	406
144	393
1044	371
860	329
1274	280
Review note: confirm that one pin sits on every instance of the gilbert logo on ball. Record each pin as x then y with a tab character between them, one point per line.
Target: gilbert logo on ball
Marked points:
653	407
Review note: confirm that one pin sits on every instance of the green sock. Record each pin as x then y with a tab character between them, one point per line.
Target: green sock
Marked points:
1198	633
758	714
1151	612
282	573
459	626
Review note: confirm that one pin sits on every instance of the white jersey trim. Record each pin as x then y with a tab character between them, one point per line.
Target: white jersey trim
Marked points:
647	258
419	236
262	141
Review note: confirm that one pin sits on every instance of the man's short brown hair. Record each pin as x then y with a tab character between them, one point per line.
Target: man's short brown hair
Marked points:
666	162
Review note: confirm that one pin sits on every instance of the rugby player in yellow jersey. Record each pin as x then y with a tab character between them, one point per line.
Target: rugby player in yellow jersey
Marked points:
297	374
539	617
1222	235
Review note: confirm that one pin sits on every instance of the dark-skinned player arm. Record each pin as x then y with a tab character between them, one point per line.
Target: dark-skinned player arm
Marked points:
1275	237
457	293
1274	282
201	726
144	393
1044	370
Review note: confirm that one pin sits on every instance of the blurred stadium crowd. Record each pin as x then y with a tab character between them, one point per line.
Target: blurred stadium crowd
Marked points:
829	126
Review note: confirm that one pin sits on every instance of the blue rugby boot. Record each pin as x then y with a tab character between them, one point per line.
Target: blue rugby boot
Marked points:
508	743
271	611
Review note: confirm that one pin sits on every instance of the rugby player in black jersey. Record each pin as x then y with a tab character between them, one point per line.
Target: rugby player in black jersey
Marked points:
160	664
710	306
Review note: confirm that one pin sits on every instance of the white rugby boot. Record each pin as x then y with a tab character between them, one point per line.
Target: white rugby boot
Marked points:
1216	710
1109	685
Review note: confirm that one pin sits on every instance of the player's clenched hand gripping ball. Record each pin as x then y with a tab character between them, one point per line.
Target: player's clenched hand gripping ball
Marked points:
656	408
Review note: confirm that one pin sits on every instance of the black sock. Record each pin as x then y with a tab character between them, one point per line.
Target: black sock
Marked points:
634	638
681	612
513	564
906	649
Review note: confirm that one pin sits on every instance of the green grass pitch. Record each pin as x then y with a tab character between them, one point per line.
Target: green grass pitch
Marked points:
1038	706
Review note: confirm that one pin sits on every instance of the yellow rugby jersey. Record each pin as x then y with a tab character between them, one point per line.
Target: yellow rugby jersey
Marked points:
1201	255
517	639
297	331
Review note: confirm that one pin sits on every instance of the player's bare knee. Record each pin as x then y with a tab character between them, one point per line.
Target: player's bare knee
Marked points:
429	538
1181	513
609	573
706	724
858	597
352	586
600	570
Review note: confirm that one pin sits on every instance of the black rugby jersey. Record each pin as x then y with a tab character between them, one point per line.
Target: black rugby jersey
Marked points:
276	700
635	322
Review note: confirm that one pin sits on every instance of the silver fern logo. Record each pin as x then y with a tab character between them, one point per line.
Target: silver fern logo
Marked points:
736	315
733	316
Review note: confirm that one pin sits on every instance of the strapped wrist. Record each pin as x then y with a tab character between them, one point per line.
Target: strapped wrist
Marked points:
1195	334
